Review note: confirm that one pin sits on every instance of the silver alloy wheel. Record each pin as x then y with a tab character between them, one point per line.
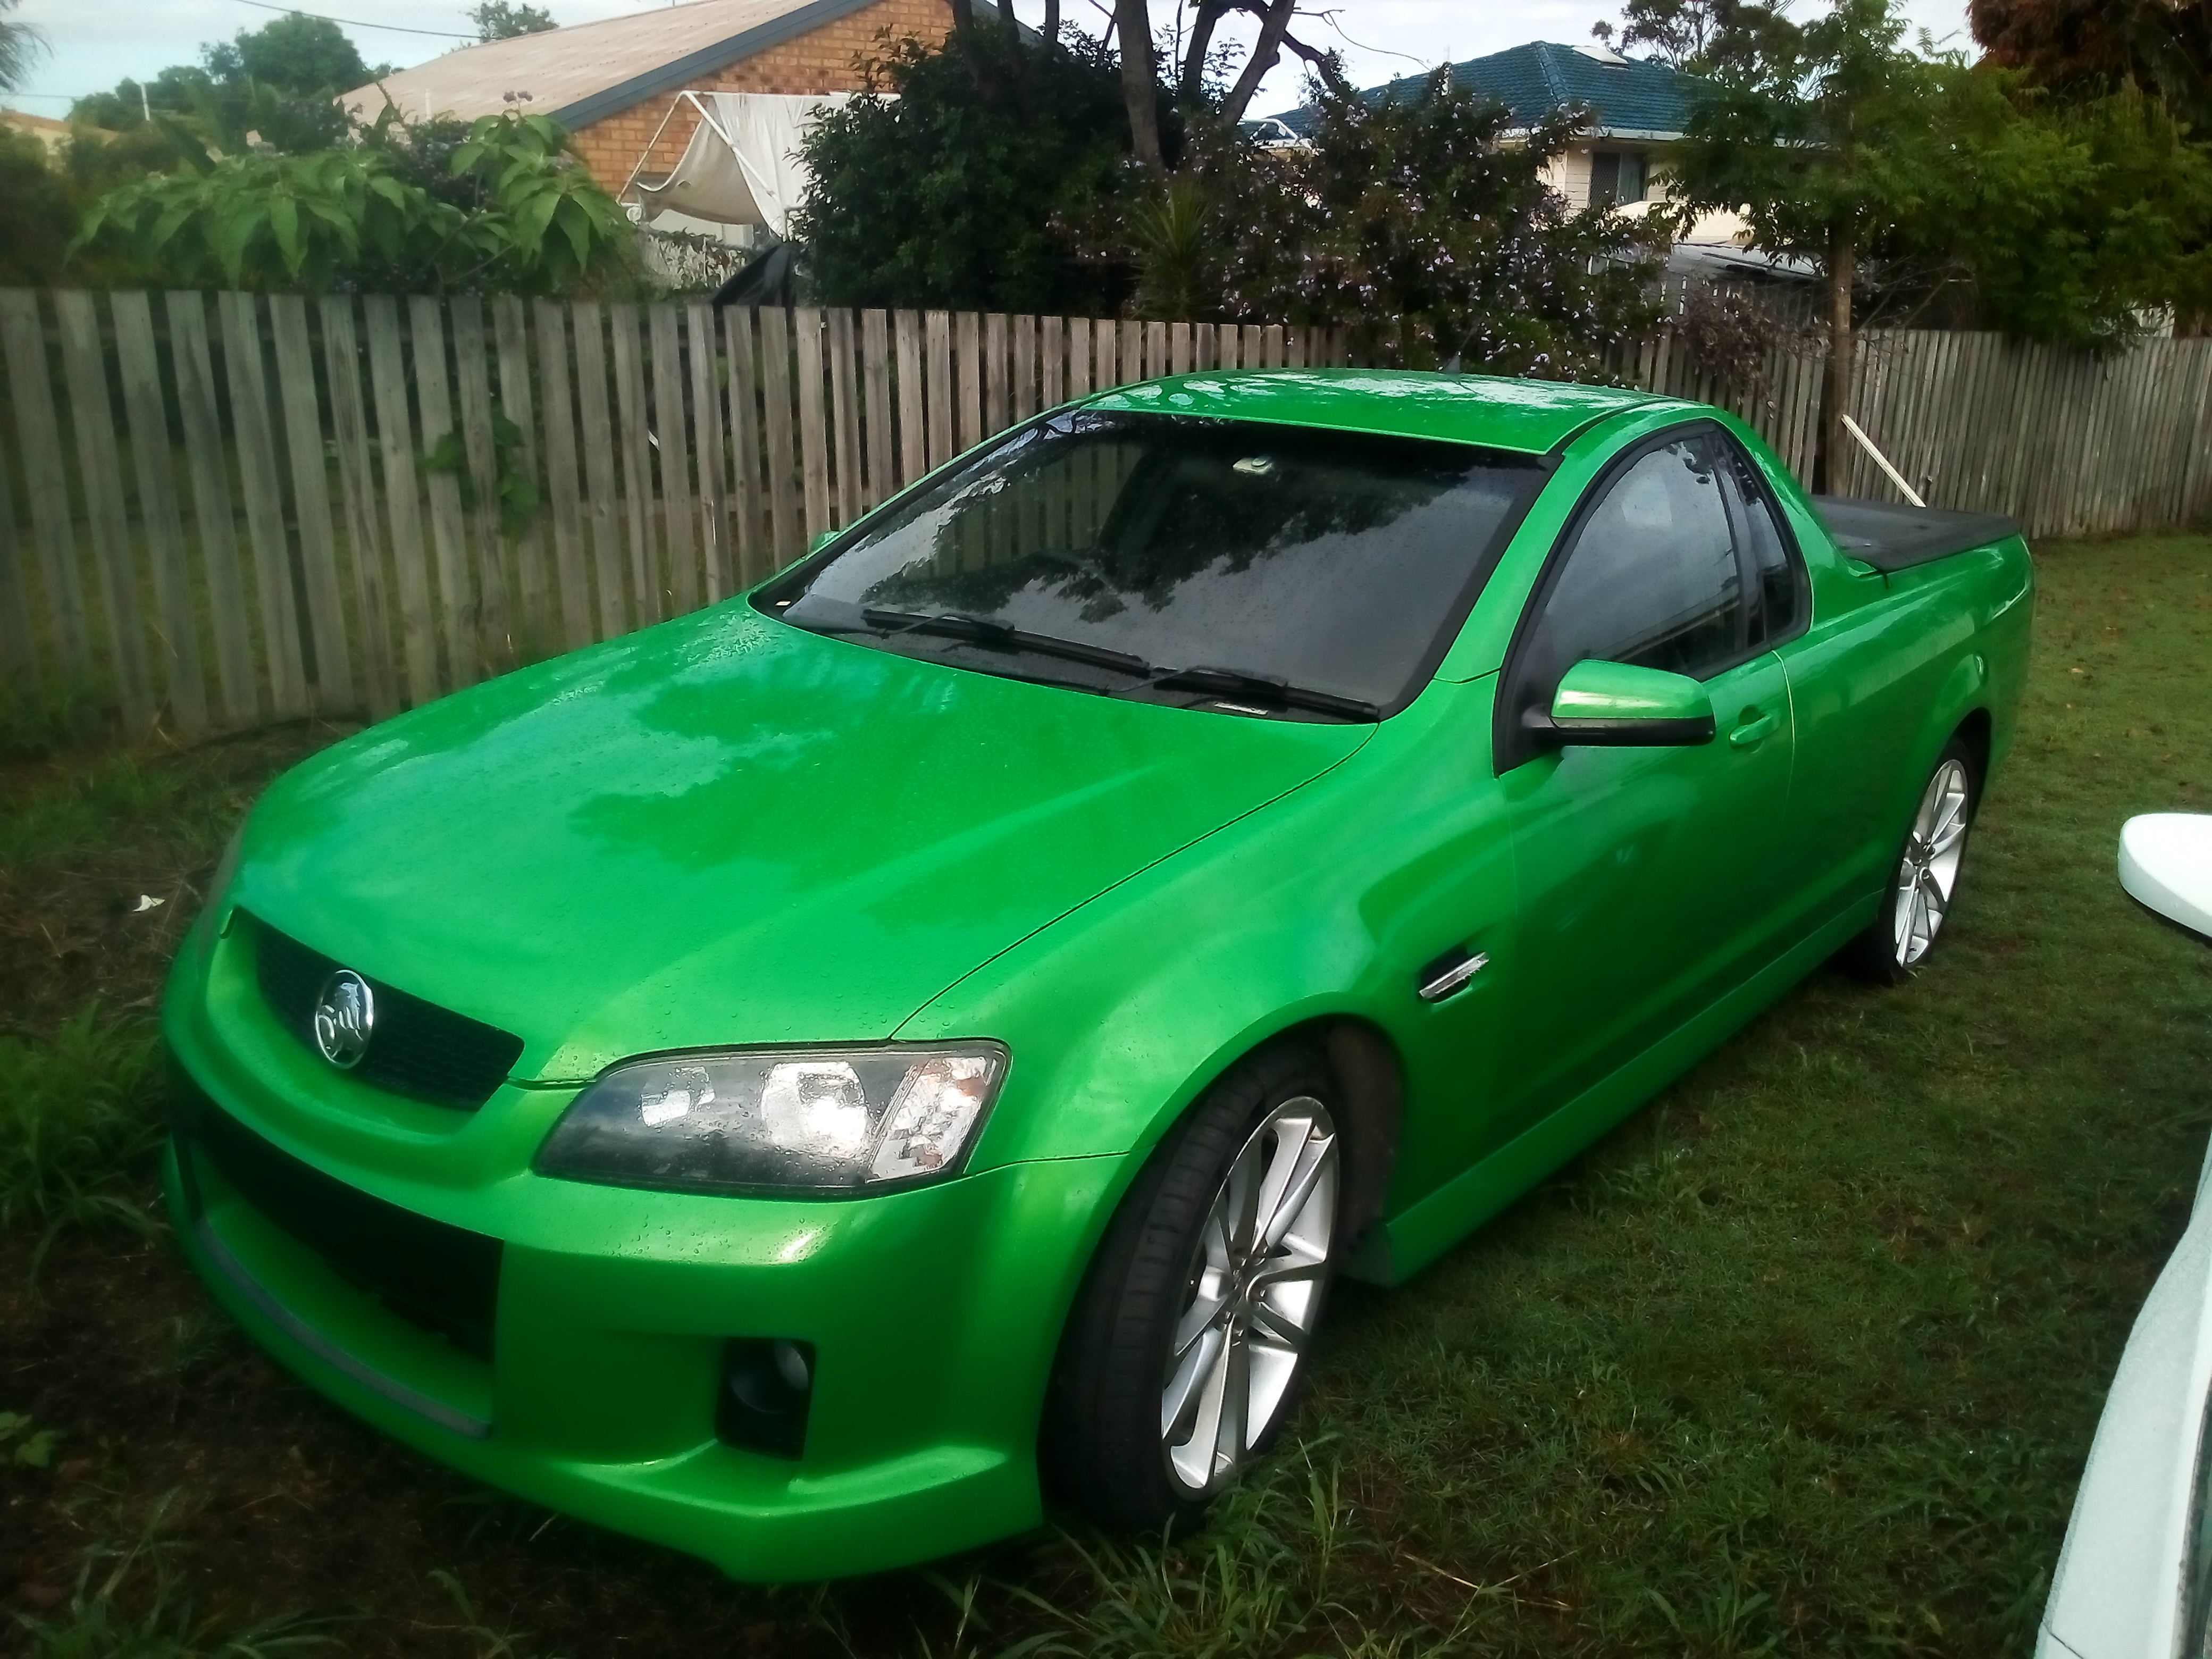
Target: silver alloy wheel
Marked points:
1253	1296
1929	872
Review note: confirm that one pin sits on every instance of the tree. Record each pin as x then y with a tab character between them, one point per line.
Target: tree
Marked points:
293	53
21	45
36	213
2095	47
1824	135
1682	34
952	193
280	83
519	215
498	20
1415	222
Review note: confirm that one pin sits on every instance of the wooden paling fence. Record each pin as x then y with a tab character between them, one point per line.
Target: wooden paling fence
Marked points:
221	510
2067	442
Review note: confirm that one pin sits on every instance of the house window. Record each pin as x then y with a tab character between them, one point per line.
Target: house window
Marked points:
1617	175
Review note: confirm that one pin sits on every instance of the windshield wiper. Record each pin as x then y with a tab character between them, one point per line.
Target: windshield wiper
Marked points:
1200	677
989	630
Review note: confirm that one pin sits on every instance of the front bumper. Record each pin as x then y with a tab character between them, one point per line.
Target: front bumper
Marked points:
932	1313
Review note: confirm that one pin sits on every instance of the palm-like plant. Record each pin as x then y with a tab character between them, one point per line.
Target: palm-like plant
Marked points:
19	47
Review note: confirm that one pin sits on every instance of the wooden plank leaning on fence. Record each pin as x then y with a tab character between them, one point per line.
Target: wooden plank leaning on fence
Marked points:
194	367
92	419
38	436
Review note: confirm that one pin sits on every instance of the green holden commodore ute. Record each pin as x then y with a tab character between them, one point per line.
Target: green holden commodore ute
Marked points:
809	1081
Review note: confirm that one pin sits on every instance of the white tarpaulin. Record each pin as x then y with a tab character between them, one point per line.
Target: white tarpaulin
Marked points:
742	167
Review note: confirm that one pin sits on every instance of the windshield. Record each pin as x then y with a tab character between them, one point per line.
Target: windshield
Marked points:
1278	569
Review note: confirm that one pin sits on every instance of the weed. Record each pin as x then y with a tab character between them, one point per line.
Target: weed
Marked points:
25	1445
128	1603
486	1641
77	1124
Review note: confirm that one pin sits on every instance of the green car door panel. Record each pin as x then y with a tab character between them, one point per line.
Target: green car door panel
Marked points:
1493	748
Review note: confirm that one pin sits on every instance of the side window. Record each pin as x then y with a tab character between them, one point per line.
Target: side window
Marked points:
1652	578
1777	597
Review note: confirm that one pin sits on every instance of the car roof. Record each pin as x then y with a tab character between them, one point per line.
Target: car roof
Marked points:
1530	416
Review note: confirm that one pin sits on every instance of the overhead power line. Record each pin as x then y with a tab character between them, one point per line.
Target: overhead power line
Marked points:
354	22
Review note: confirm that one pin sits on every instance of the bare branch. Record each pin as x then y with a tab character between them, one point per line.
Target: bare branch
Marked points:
1275	24
1326	65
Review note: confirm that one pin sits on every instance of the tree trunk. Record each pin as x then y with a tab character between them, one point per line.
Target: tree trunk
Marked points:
1275	24
1140	82
1836	390
963	14
1202	25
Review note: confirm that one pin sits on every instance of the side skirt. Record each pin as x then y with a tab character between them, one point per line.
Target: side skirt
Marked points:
1395	1250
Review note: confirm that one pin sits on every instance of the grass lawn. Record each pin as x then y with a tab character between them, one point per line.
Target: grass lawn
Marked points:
1803	1358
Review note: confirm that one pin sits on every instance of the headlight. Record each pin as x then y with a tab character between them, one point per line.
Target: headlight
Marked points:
822	1120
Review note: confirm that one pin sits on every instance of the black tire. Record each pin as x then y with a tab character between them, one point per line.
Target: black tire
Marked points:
1103	1449
1899	943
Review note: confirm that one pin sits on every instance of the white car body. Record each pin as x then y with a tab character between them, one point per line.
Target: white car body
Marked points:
2122	1589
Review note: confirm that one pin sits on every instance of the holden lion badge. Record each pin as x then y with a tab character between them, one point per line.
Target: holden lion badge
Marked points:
344	1019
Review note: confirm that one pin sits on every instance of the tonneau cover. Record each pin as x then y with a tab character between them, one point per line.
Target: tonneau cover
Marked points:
1890	535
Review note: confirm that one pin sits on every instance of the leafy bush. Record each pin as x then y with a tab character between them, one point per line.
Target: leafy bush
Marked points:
951	193
1412	221
521	216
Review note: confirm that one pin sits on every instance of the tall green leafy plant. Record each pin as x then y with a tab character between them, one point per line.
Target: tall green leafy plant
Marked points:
1421	222
521	216
954	192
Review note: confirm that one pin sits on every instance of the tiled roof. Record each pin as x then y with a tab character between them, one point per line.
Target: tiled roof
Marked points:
1631	97
586	70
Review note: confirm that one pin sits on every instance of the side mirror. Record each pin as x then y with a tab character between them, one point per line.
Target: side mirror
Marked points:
1614	705
2165	866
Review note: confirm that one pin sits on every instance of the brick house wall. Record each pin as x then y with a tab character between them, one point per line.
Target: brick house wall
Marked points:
824	60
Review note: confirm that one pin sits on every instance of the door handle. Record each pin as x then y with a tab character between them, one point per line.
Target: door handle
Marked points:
1754	730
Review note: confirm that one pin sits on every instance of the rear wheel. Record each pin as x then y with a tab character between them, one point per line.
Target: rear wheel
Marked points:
1192	1329
1924	881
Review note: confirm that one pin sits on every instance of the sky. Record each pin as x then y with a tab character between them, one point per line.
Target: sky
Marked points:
96	43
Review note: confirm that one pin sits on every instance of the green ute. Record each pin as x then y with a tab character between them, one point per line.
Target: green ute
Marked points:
816	1081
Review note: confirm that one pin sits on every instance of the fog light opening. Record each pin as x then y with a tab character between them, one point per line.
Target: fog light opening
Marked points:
767	1385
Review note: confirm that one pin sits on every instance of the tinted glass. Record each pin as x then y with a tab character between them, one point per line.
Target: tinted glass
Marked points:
1329	560
1774	597
1652	579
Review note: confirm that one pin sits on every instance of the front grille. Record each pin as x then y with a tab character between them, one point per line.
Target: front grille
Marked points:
443	1278
417	1048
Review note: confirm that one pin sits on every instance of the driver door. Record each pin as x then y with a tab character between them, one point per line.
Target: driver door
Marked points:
1651	879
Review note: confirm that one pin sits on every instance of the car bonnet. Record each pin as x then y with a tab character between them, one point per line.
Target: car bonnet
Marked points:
725	830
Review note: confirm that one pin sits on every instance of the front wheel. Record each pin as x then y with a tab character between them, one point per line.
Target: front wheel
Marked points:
1195	1319
1924	881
